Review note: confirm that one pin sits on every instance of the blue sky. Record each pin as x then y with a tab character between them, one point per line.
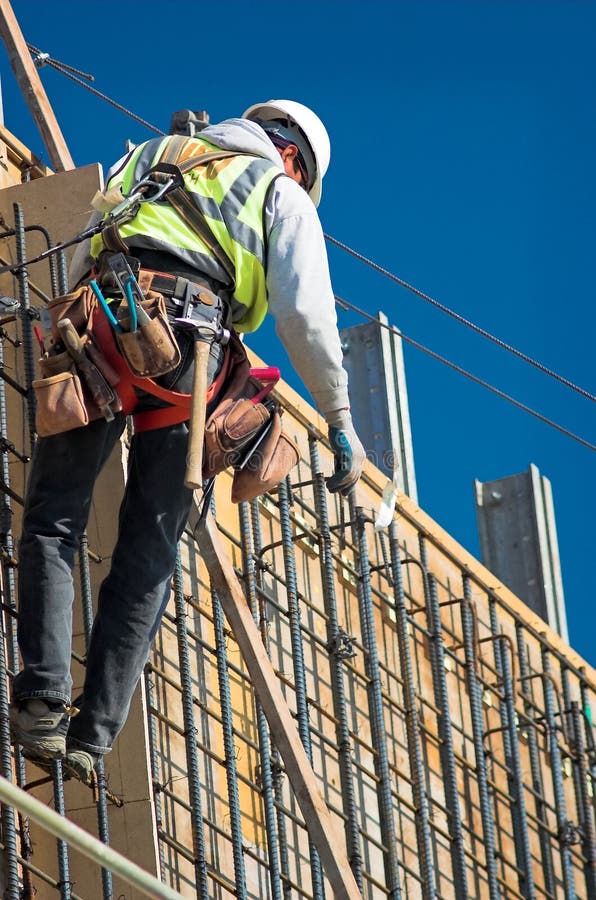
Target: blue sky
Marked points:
463	146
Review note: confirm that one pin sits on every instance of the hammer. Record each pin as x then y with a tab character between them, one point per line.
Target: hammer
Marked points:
204	335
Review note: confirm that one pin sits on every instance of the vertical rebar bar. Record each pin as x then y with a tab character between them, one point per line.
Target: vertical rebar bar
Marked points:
410	699
7	814
25	310
101	803
337	668
517	779
535	768
190	737
565	829
300	689
374	690
61	845
227	725
266	779
446	749
475	694
276	766
511	751
155	773
581	778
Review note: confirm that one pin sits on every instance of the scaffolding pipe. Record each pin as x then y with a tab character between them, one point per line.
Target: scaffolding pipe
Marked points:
446	749
535	769
190	737
415	751
337	669
301	693
85	843
266	773
375	704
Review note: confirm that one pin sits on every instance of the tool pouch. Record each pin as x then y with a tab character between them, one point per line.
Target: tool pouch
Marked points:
76	306
271	462
152	349
60	403
236	423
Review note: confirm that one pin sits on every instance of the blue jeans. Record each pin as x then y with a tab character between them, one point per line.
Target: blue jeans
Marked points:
134	594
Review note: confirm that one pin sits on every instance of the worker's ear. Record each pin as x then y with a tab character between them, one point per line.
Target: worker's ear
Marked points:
290	152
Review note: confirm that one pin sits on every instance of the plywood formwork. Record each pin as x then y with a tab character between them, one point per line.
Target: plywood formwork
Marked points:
449	729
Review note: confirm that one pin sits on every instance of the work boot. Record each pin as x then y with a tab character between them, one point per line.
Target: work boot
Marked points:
80	764
40	727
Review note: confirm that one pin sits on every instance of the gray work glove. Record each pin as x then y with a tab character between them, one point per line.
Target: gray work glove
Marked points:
349	452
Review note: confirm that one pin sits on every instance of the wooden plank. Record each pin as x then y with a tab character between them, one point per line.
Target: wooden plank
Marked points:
323	830
32	89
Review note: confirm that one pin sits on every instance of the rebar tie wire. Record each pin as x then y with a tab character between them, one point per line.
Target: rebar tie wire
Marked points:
461	319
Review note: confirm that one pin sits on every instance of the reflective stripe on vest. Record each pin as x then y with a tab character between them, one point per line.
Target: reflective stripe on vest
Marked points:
231	194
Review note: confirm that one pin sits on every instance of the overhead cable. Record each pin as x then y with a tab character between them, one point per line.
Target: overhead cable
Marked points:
46	59
461	319
345	304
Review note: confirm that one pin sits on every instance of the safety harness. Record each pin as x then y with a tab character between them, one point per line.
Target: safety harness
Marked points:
168	168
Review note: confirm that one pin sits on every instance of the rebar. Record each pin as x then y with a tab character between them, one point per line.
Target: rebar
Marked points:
475	694
337	669
190	731
375	703
25	310
153	761
61	845
582	778
275	765
266	786
566	829
229	747
535	768
448	767
414	741
103	825
301	693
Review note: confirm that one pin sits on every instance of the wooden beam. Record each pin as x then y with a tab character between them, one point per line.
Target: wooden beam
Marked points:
32	89
323	829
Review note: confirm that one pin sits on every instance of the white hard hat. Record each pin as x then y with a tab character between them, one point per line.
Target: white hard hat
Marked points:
304	128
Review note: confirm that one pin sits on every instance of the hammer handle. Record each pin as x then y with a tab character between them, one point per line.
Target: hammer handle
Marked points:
198	404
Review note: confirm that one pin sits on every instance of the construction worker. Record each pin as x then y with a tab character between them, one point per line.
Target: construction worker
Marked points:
263	201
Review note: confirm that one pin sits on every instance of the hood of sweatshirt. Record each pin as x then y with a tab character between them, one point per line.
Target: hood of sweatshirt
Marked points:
241	134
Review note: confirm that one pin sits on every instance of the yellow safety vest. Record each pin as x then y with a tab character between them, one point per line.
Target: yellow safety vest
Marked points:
230	194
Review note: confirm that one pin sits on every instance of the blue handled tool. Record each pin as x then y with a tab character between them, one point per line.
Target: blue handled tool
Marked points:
105	306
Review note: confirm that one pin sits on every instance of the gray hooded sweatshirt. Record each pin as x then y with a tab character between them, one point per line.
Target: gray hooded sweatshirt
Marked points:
299	292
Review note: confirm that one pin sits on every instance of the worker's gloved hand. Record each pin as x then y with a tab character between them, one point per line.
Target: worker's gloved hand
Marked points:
349	452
